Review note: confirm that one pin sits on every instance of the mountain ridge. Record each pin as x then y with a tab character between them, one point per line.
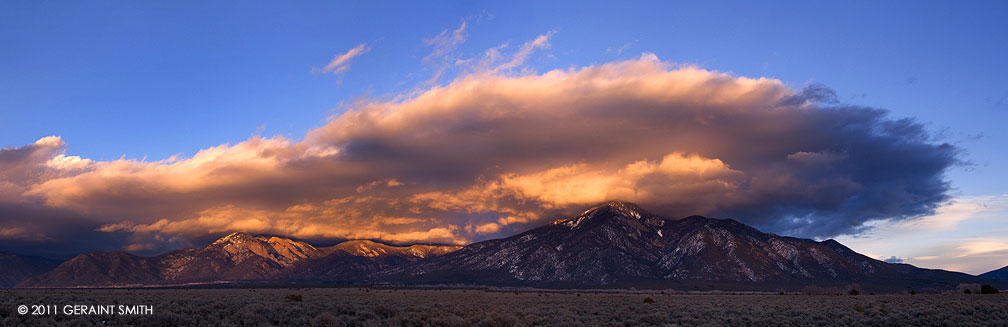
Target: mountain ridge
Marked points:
17	268
613	244
236	257
996	274
619	244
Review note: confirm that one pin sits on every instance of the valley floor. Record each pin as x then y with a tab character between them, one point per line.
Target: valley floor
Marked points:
473	307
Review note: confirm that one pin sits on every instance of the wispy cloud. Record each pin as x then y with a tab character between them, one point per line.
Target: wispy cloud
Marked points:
446	42
442	55
341	62
619	51
963	235
495	59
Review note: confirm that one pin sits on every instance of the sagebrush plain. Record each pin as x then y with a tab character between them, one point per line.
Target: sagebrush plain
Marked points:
482	307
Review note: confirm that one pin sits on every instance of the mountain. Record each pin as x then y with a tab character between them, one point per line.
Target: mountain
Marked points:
366	248
615	244
17	268
355	261
100	269
997	274
235	257
618	244
232	258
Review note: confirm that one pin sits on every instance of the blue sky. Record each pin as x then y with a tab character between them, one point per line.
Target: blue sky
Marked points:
155	79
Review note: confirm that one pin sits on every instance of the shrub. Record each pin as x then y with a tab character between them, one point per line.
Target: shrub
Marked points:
496	319
987	289
972	288
854	289
293	297
858	307
385	310
325	319
648	300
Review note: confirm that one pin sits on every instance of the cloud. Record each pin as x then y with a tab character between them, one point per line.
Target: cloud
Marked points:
341	62
892	259
444	56
982	246
802	168
495	60
14	233
502	149
32	163
963	235
696	179
446	42
619	51
444	45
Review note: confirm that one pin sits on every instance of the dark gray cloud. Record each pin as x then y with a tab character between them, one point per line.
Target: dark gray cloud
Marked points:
815	93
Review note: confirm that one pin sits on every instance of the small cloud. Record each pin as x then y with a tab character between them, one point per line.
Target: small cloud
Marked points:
15	233
446	42
341	62
488	228
540	42
893	259
619	51
140	247
50	141
388	182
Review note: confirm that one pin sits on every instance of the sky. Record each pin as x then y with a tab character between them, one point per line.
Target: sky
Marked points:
149	126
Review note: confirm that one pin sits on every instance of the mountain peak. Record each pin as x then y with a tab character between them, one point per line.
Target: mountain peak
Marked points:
368	248
610	209
235	237
617	207
618	204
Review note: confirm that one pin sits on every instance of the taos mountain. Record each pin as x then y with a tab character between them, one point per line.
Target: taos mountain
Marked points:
615	244
618	244
997	274
16	268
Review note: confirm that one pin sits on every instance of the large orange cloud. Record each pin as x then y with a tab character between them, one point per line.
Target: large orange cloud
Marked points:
494	151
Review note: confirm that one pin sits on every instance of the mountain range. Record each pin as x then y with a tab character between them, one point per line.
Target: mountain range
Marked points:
618	244
16	268
237	257
614	244
997	274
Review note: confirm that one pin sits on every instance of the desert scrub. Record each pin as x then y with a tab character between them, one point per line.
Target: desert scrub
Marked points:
453	307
